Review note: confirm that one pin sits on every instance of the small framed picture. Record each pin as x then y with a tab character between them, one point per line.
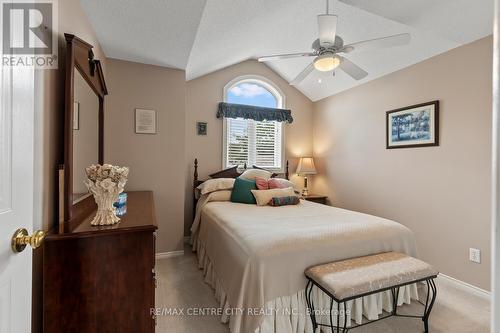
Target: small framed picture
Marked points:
201	128
413	126
145	121
76	116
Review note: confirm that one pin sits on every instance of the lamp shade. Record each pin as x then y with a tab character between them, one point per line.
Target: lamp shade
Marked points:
326	63
306	166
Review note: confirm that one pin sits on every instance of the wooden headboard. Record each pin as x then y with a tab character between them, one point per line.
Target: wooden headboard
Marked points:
229	173
226	173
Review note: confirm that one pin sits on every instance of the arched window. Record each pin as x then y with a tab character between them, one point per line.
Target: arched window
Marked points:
248	141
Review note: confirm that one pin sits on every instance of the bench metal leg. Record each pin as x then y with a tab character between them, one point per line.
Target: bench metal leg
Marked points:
345	330
429	304
310	305
395	297
339	329
431	285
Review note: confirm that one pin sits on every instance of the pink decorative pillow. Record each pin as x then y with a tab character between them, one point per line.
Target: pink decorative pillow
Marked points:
275	183
261	183
272	183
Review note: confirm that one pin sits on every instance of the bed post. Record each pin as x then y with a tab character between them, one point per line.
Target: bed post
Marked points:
195	175
287	175
195	184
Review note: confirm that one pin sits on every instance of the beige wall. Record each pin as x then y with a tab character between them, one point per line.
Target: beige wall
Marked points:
441	193
50	86
156	161
203	96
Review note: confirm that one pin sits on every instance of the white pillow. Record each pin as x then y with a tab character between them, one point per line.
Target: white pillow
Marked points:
216	184
251	174
224	195
264	196
286	183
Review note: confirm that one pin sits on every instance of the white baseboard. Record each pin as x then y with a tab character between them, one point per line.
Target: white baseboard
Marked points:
165	255
464	286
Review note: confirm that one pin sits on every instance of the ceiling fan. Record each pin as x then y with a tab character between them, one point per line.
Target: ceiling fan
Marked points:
328	47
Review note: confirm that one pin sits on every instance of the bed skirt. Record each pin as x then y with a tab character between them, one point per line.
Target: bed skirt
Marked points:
288	314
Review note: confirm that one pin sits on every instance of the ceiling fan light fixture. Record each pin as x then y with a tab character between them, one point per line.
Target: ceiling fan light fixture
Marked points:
326	63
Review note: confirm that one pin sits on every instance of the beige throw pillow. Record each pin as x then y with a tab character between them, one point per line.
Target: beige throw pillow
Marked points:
264	196
251	174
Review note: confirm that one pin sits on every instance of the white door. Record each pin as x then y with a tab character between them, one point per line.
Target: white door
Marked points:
16	195
495	270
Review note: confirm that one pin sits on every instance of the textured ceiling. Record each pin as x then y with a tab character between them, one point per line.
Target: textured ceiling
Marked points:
461	21
158	32
204	36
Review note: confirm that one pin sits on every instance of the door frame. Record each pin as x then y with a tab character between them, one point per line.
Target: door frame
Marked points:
495	216
41	170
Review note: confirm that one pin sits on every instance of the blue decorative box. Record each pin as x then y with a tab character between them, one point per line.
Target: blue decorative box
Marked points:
122	210
122	200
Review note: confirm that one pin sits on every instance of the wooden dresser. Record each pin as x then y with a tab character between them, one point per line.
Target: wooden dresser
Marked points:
102	279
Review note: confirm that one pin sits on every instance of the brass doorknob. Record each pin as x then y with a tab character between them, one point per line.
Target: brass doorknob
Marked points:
21	238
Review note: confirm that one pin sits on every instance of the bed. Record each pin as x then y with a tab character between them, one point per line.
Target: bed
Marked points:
254	257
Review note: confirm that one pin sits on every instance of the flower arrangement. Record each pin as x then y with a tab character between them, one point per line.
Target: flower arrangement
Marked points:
105	183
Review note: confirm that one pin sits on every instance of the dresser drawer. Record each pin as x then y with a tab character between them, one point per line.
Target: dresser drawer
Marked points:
99	284
101	279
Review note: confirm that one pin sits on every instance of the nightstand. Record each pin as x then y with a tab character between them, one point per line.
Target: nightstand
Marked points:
321	199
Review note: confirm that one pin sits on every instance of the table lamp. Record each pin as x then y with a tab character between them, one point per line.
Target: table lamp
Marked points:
305	168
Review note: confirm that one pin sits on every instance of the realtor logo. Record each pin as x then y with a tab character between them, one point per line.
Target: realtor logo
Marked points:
29	33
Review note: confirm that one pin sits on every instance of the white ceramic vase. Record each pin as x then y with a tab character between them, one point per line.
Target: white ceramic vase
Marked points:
105	183
106	212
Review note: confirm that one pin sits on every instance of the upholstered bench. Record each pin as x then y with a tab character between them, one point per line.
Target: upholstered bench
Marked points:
350	279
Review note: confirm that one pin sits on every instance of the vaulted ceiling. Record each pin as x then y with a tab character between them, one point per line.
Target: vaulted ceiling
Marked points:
203	36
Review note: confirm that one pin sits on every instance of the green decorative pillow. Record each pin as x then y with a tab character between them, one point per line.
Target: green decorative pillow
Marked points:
242	191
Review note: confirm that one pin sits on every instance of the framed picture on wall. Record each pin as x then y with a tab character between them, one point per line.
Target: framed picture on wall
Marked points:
145	121
413	126
201	128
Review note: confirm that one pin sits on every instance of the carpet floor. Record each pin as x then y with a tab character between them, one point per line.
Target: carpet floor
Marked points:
181	290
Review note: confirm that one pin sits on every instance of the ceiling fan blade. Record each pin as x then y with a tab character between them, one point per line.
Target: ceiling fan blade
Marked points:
302	75
327	28
352	69
390	41
286	56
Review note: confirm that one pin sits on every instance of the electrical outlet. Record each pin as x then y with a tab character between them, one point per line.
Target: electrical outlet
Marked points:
475	255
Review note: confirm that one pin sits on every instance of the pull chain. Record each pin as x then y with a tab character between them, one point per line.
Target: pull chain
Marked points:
328	7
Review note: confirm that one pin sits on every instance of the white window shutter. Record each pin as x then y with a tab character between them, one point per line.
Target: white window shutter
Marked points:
237	142
254	143
267	149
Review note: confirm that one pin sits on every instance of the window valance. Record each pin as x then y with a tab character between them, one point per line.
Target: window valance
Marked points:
258	113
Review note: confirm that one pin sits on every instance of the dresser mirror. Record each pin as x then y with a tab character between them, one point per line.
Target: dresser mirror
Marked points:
85	89
85	135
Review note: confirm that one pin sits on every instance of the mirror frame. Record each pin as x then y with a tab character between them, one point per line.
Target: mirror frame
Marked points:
79	55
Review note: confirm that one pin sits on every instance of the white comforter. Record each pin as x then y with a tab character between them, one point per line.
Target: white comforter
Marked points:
258	254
